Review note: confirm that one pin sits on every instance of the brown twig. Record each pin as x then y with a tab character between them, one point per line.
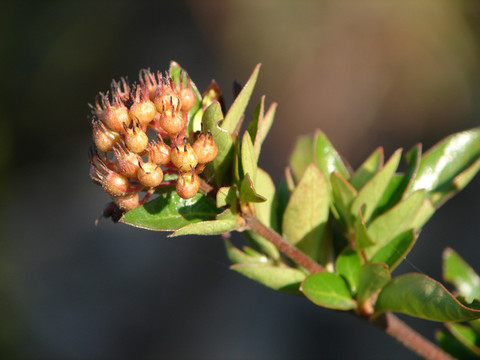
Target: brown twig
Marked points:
388	322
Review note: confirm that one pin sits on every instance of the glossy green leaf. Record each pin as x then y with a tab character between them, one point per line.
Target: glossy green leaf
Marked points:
248	193
223	161
348	266
328	290
372	278
235	114
307	212
249	160
446	160
373	190
454	347
343	195
395	250
462	179
369	168
457	272
302	156
227	196
466	335
423	215
394	222
274	277
237	256
327	158
170	212
420	296
265	188
177	73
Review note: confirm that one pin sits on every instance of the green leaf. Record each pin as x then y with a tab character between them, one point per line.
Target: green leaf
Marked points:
256	119
369	168
266	189
423	215
248	193
211	94
462	179
237	256
212	227
227	196
282	196
249	162
446	160
328	290
343	194
420	296
327	158
235	114
221	164
302	156
394	222
466	335
307	212
372	277
261	124
373	190
170	212
457	272
262	244
363	240
453	346
177	73
274	277
348	266
395	250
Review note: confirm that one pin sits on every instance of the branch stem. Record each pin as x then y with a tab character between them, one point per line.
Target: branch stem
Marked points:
388	322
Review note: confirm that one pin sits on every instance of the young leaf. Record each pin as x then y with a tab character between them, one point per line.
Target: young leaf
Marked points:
369	168
328	290
307	212
170	212
457	272
211	117
343	195
348	266
420	296
237	256
249	162
373	190
302	156
238	107
446	160
274	277
260	125
395	250
211	94
395	221
248	193
372	277
466	335
256	119
327	158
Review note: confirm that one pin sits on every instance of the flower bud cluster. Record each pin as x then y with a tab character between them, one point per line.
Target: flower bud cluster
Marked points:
139	132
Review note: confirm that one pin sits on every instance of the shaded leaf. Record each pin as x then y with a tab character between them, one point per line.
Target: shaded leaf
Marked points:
395	221
212	227
223	161
302	156
420	296
373	190
249	161
446	160
363	239
307	212
227	196
211	94
343	195
453	346
457	272
282	196
170	212
348	266
395	250
248	193
237	256
265	188
372	278
274	277
177	73
238	107
327	157
466	335
328	290
262	244
369	168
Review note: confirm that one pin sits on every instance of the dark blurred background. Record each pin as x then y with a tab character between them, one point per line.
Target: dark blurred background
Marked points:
367	73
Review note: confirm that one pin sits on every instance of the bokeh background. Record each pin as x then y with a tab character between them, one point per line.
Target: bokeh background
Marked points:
367	73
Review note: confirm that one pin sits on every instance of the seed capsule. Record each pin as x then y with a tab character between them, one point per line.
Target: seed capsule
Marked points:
159	153
127	202
184	156
142	108
205	148
127	162
104	138
187	99
116	117
188	184
172	123
166	99
149	174
135	138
